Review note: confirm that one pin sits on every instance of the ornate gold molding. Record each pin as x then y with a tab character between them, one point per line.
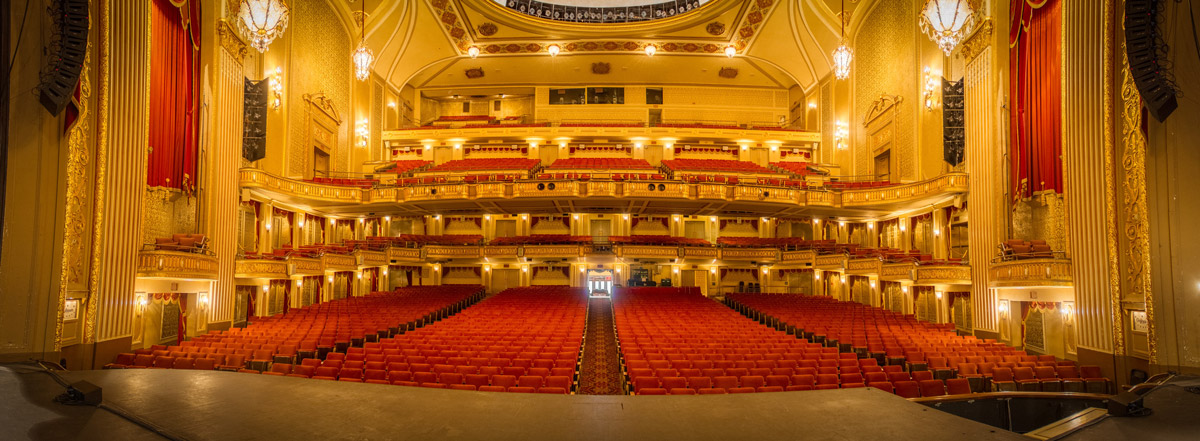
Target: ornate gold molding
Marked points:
305	266
893	272
451	252
700	253
862	267
639	251
831	262
229	39
1030	272
100	170
176	265
1135	222
803	256
554	250
78	157
499	251
406	254
1110	201
371	258
339	262
978	41
946	274
260	269
760	254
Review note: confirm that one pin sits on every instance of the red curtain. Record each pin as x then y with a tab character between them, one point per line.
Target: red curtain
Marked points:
1035	98
173	110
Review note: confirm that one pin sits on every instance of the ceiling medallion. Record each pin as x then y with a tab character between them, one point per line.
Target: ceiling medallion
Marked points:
474	73
262	21
727	72
715	28
600	68
488	29
947	22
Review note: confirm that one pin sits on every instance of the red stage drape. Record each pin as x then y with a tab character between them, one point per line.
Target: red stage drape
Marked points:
173	104
1035	98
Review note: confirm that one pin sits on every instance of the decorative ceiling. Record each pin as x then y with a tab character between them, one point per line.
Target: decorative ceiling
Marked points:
426	44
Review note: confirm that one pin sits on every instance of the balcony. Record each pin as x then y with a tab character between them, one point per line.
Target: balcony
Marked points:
830	262
942	275
863	267
518	133
176	265
1030	272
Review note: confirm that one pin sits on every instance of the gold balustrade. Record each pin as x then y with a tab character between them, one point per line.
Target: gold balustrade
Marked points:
896	272
260	269
863	267
758	136
646	251
942	275
1031	272
830	262
452	251
371	258
176	265
799	256
339	262
255	178
756	254
404	254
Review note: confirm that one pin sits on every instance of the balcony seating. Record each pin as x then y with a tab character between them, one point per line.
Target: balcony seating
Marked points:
714	165
700	126
484	164
658	240
458	120
427	239
601	124
267	340
405	166
1016	249
855	185
796	168
190	243
600	163
345	182
502	125
542	239
930	351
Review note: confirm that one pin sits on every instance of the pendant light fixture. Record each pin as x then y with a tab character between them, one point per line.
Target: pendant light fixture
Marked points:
262	21
947	22
842	56
363	58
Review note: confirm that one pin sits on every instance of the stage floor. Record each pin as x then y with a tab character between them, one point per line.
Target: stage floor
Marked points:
208	405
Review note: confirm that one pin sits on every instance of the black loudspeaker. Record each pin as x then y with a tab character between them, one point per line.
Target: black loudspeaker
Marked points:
541	186
551	186
1143	50
58	85
86	393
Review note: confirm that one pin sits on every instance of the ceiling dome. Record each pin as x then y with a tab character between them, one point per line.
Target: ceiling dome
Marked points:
602	11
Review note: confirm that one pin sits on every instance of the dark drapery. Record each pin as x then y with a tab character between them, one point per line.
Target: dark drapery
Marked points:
173	104
182	334
1035	98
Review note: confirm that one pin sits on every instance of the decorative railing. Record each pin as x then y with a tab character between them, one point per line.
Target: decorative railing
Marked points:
176	265
371	258
756	254
452	252
944	184
942	274
306	267
895	272
255	178
801	256
404	254
339	262
830	262
260	269
1031	272
865	266
646	251
758	136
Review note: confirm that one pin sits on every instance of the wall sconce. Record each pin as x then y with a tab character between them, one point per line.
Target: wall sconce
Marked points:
938	295
268	223
843	278
930	90
391	104
140	300
473	51
276	83
817	275
332	221
626	216
363	131
904	289
766	270
300	223
584	269
1003	307
387	218
816	221
487	269
524	269
360	275
713	270
266	288
651	50
902	227
331	278
841	223
384	270
870	225
840	133
676	270
812	105
872	284
553	50
1068	310
937	231
299	283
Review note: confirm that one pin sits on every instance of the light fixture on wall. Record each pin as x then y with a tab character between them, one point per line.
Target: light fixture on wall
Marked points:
947	22
730	51
904	289
141	300
930	90
473	51
938	295
363	132
276	83
842	56
840	133
330	278
299	283
651	49
553	50
262	21
1003	308
872	284
363	57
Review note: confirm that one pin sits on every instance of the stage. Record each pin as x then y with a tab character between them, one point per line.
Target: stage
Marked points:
210	405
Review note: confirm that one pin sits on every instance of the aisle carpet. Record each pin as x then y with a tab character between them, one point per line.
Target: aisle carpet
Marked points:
600	370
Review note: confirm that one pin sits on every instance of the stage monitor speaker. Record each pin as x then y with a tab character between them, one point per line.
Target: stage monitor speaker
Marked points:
1142	47
1126	404
63	71
86	393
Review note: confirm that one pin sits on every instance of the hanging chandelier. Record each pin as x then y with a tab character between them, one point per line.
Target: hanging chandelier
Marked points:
262	21
363	58
947	22
842	56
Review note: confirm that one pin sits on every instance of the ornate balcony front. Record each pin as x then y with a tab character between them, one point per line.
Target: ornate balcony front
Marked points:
404	254
863	267
255	178
798	257
830	262
1030	272
339	262
371	258
260	269
176	265
647	251
942	275
754	254
452	252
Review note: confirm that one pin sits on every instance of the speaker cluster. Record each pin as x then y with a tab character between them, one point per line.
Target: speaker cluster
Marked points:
66	60
544	186
1147	57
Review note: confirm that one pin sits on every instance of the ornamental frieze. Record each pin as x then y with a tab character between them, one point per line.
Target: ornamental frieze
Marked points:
408	254
372	258
802	256
257	268
176	264
750	253
339	261
950	274
451	252
1031	272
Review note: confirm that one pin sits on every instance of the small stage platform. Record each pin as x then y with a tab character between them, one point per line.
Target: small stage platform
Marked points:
209	405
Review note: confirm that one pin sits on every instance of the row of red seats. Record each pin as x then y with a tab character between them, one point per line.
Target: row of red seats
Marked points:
484	164
549	320
1022	249
917	345
854	185
658	240
797	168
349	182
455	118
700	126
598	124
542	239
714	165
406	166
439	239
304	329
502	125
601	163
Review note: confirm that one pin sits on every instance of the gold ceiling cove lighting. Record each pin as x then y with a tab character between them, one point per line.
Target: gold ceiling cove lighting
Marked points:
553	50
473	51
363	58
730	51
842	56
651	49
262	21
947	22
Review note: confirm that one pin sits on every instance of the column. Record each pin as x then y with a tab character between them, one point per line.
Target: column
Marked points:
220	221
1087	163
984	157
941	235
121	175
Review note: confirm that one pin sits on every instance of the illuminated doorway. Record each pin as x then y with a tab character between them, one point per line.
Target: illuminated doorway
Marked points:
599	283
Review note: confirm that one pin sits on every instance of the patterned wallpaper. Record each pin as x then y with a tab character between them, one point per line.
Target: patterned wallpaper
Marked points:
167	212
377	119
825	107
887	40
320	50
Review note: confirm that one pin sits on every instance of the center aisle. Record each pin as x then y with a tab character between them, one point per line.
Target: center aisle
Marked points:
600	369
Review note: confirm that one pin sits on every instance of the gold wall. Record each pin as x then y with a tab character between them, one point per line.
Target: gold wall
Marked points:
318	62
886	39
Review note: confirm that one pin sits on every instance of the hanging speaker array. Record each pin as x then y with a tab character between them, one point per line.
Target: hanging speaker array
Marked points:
1146	53
65	60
